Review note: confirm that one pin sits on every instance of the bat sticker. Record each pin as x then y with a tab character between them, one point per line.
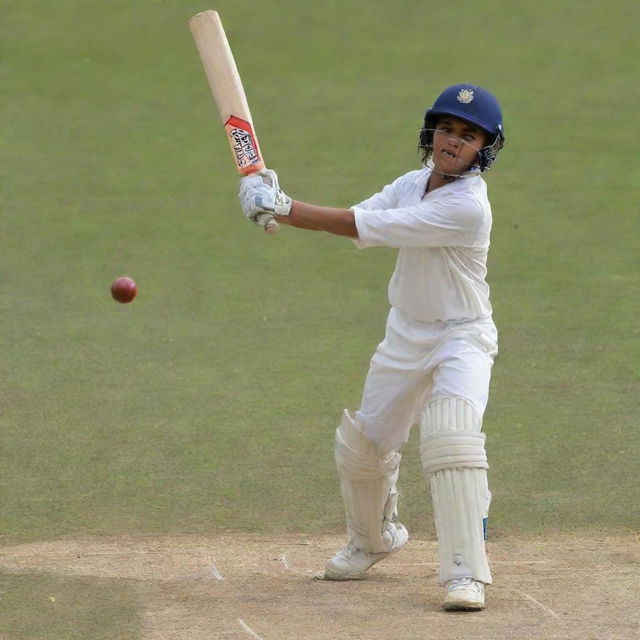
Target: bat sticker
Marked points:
243	142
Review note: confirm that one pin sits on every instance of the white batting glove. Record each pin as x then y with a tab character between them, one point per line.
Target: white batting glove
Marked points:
260	193
280	201
247	196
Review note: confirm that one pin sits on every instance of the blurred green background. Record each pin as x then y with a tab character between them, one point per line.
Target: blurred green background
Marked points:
209	403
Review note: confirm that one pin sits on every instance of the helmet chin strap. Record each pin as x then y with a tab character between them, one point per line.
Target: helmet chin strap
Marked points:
471	172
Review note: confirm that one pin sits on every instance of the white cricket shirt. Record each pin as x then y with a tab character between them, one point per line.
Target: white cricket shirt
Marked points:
443	240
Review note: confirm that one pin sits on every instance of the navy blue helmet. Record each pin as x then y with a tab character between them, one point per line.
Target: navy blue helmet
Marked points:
474	105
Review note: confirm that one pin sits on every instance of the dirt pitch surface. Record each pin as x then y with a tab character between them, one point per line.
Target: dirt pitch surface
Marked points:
245	587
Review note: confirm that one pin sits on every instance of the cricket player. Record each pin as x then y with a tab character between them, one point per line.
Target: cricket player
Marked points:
434	365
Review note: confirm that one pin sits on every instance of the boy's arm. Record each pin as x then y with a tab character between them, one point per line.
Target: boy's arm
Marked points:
260	193
340	222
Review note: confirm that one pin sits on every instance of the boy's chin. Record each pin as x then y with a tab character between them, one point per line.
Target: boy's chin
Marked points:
448	170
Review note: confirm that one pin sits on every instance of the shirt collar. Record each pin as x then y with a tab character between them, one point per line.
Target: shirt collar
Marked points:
461	183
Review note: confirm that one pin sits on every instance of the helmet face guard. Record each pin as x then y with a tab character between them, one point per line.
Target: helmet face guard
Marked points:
474	105
463	158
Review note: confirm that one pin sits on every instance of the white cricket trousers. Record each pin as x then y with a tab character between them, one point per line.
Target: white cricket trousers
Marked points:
418	362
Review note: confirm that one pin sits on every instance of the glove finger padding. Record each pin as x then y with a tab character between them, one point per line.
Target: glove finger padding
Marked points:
247	196
278	202
269	200
249	182
269	177
260	193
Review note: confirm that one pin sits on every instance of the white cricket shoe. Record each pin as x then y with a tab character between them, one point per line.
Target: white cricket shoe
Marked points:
352	563
464	594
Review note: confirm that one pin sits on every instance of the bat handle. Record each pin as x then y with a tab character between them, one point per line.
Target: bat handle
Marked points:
269	223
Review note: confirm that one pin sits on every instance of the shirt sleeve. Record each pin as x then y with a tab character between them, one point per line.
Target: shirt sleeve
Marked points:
454	222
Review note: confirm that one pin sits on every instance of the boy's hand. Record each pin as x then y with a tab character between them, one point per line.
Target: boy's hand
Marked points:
260	193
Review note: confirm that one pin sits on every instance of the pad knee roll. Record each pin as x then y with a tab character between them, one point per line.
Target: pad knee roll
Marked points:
450	436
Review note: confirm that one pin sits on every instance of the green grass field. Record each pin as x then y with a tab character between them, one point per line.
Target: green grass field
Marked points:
209	404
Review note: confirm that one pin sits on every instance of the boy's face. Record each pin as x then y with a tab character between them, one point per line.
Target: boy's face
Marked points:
455	145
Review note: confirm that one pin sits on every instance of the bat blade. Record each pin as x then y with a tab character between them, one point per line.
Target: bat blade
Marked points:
228	93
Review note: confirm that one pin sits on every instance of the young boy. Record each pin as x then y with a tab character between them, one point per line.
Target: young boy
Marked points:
434	364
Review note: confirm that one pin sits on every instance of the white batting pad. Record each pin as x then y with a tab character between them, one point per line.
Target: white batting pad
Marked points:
368	481
455	461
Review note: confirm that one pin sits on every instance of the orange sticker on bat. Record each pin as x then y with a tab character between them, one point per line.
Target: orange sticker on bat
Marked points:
244	145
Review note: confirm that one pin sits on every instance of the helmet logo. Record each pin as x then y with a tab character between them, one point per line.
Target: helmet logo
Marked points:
465	96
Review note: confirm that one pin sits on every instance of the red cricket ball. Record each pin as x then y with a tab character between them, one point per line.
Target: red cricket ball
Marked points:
124	289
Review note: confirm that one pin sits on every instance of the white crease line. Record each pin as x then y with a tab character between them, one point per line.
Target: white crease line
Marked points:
549	611
74	552
283	559
493	562
248	629
516	562
214	571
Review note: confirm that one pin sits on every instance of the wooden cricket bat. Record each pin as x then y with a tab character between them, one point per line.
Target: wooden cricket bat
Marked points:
228	93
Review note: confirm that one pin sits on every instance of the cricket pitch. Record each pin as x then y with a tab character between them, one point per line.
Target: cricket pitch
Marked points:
239	587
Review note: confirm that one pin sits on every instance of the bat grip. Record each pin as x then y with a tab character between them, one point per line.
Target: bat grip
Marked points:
269	223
